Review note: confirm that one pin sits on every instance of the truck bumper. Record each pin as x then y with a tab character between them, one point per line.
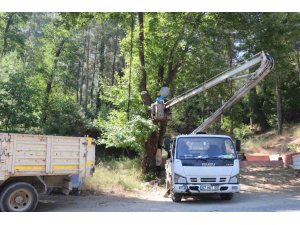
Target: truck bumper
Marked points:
206	188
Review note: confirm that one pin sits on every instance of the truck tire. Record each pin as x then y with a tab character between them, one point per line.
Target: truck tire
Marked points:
18	197
226	196
176	197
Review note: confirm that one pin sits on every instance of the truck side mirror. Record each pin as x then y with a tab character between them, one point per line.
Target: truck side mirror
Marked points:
238	145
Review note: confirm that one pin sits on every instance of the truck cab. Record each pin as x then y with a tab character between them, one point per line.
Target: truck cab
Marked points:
201	164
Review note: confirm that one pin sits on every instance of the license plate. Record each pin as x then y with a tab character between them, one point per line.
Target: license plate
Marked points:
209	187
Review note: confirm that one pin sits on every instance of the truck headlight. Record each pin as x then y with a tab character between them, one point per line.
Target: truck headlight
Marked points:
235	179
179	179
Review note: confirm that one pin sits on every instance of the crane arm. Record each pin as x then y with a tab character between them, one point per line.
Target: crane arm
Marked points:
266	66
222	77
161	110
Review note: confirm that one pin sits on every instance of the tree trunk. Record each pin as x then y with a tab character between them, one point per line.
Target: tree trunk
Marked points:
258	114
82	74
148	163
50	81
93	79
114	61
278	106
143	81
101	72
298	62
153	143
156	138
81	84
130	66
78	82
87	72
264	125
5	36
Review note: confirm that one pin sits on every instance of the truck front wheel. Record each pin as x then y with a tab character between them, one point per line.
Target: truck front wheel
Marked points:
18	197
226	196
176	197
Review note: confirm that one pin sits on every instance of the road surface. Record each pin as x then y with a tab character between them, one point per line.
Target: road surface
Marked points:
263	190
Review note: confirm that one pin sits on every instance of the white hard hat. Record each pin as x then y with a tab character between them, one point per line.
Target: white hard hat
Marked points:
164	91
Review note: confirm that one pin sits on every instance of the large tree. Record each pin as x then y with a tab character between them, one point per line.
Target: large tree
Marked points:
166	39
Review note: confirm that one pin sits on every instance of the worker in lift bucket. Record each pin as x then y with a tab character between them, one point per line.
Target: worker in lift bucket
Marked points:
163	93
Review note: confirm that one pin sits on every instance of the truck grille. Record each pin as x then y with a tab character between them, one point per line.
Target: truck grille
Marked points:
208	179
222	179
194	180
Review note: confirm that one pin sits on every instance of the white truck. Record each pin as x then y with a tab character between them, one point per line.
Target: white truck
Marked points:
32	164
201	163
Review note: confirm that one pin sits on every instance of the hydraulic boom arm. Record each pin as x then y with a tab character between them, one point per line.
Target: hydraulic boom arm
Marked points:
159	110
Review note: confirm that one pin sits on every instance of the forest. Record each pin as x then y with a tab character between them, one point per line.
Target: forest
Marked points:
96	74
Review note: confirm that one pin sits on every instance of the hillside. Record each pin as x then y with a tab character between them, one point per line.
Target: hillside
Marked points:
271	143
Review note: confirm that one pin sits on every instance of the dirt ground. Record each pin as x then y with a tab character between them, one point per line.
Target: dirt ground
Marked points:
281	145
269	179
252	179
263	189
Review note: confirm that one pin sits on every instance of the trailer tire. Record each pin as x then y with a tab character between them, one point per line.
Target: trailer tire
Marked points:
18	197
226	196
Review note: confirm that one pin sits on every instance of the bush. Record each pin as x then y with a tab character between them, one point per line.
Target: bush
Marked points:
242	132
120	133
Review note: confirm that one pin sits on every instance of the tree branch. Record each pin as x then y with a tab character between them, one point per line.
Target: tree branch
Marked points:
173	70
143	82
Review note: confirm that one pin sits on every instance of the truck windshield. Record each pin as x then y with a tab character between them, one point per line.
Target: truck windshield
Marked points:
204	148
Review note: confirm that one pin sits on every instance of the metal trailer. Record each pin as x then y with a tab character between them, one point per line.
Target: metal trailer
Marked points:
32	164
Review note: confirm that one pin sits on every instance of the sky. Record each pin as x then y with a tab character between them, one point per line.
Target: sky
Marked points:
150	5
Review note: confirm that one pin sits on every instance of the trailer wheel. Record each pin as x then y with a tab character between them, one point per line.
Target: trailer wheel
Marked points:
176	197
18	197
226	196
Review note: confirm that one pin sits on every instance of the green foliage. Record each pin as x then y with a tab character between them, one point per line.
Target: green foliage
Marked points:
17	110
242	132
292	147
40	84
13	35
65	118
121	133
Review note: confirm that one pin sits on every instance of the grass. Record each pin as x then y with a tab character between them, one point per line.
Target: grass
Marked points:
264	140
296	131
113	175
270	139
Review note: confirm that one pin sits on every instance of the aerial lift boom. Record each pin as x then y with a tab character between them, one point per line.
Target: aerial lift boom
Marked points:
160	110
